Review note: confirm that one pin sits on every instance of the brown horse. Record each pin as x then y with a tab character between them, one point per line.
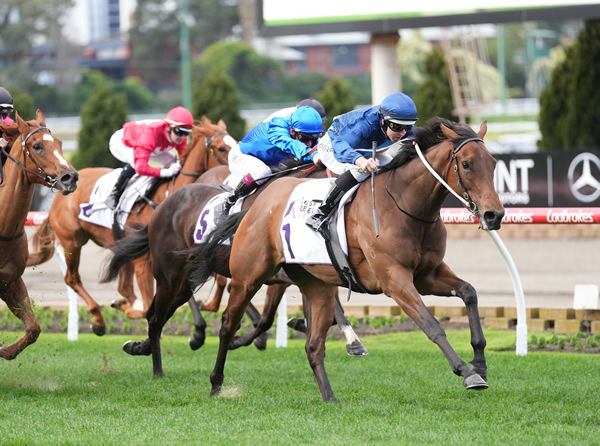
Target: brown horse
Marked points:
405	262
34	158
275	292
208	148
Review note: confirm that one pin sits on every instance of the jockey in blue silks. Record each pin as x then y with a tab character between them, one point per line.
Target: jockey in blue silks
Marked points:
271	144
349	140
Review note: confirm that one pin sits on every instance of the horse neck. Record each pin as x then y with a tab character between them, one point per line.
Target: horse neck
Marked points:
195	164
421	194
16	194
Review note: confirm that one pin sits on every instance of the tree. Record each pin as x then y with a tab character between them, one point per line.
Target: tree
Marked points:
433	97
154	35
569	111
104	113
336	98
217	98
23	103
23	24
258	78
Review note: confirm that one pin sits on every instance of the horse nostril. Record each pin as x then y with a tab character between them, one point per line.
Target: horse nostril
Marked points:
493	219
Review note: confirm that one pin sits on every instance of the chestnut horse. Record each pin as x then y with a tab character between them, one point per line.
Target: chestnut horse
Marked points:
208	148
34	158
405	262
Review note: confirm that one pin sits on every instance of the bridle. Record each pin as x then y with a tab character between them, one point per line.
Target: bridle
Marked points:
51	181
466	201
471	205
209	151
40	173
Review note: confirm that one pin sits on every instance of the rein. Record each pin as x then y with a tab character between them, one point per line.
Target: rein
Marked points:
26	154
466	201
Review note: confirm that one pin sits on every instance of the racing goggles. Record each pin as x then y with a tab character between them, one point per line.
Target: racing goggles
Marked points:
308	137
395	127
181	131
5	111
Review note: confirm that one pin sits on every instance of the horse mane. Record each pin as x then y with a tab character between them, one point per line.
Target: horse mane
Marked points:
426	137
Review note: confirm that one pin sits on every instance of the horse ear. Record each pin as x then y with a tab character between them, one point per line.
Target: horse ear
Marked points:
22	125
41	119
482	129
222	124
450	134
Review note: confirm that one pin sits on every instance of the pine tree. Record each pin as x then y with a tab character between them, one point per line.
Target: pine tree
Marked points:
569	105
336	99
433	97
217	98
103	114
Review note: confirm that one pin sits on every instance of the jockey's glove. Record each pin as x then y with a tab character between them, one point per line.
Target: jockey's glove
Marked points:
170	171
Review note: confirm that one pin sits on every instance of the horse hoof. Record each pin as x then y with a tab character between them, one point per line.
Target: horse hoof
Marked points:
128	347
261	342
215	391
356	348
196	341
475	382
98	330
297	324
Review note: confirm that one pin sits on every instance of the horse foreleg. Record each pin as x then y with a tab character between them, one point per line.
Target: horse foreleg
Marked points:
198	337
18	302
411	303
215	302
73	280
354	345
443	282
125	288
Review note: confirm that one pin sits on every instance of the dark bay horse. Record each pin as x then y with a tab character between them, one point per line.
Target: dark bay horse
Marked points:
33	158
209	147
405	262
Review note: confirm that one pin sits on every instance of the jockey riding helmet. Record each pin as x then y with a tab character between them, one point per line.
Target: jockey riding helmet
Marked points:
307	120
314	104
398	108
6	102
181	118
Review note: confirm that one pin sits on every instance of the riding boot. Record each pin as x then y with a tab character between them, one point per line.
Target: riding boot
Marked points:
243	188
126	173
341	185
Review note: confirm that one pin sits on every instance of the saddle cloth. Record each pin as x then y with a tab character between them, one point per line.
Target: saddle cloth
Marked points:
98	213
300	243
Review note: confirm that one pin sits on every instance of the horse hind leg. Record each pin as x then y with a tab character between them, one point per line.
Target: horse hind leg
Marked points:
20	304
354	345
125	288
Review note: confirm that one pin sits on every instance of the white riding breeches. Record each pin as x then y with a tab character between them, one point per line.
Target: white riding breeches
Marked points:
241	164
327	157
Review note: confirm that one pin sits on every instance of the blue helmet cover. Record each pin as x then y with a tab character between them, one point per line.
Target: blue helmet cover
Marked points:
399	108
306	120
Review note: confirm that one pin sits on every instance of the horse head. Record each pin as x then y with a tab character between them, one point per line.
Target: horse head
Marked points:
215	140
42	159
473	168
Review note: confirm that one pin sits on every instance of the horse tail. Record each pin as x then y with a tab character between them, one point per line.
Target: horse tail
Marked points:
42	244
127	250
203	257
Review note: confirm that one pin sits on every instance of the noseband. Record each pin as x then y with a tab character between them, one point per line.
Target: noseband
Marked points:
27	154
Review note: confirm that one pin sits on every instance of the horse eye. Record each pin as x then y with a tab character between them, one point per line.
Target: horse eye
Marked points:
38	146
466	165
222	150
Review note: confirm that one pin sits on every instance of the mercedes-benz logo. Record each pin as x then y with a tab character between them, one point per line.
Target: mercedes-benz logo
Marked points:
582	177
